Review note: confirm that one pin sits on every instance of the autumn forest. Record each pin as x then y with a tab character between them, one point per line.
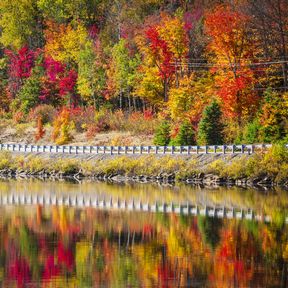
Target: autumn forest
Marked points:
186	71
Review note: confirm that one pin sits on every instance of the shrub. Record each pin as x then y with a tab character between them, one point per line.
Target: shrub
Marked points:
40	130
185	135
6	160
46	112
62	128
82	117
162	135
102	120
210	130
18	117
67	166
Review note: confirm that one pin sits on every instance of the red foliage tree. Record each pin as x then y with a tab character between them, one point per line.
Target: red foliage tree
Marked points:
19	68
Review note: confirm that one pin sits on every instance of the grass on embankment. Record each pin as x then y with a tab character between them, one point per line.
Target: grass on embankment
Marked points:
273	164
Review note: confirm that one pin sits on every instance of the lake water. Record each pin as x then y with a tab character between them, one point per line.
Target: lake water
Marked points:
61	246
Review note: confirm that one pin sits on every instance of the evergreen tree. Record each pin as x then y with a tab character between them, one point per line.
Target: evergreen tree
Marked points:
210	129
162	134
185	136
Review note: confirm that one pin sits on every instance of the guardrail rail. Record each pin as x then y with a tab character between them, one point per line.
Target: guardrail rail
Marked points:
122	150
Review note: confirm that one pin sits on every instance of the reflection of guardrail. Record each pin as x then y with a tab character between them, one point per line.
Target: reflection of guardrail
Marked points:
81	201
112	150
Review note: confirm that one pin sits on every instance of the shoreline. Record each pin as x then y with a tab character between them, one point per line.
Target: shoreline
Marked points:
259	169
200	179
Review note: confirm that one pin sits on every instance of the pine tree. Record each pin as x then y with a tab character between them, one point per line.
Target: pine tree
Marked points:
185	136
210	130
162	135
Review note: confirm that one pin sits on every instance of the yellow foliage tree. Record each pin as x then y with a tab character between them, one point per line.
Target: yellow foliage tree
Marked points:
64	42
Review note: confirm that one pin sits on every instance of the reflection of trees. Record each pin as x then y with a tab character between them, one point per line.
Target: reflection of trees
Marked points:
88	248
210	230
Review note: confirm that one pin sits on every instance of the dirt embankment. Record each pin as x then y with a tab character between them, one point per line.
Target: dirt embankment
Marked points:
25	134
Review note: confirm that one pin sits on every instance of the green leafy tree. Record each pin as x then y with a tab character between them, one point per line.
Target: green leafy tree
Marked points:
210	130
30	91
91	75
162	134
20	23
185	136
122	72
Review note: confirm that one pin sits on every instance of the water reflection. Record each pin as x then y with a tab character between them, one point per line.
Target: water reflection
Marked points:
57	247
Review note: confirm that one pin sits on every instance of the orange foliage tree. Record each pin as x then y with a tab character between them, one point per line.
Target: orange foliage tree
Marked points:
233	51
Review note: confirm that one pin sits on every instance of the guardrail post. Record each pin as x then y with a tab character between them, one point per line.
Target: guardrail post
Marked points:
156	149
97	149
189	150
206	149
233	149
69	150
118	151
148	149
111	150
252	149
133	149
242	149
215	149
25	147
197	149
76	149
104	149
172	150
224	149
141	149
126	149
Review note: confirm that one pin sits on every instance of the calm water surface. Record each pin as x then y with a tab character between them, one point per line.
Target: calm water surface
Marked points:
57	246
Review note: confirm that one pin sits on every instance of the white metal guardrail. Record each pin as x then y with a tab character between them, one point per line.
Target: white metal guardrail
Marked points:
94	201
120	150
